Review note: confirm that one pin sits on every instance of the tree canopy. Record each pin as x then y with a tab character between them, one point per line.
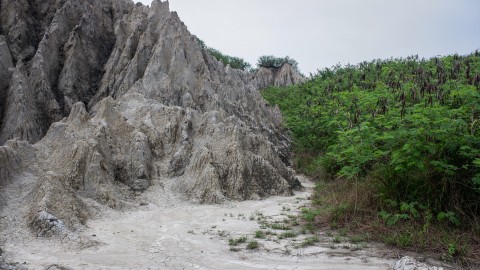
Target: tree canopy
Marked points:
411	124
233	61
276	62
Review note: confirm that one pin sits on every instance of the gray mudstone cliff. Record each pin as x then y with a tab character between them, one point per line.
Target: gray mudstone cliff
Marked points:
101	99
282	76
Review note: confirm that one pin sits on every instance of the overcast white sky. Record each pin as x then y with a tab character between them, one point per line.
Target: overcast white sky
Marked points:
321	33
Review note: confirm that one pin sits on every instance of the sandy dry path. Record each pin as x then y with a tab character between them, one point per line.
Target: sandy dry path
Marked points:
186	236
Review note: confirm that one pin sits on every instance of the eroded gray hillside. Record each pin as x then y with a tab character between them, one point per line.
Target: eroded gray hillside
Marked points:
116	97
283	76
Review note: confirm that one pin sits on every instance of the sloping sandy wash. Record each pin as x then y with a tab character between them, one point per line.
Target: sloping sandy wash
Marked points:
167	234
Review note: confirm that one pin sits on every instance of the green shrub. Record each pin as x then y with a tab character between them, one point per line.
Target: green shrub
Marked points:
276	62
309	214
252	245
259	234
410	125
288	234
310	241
234	62
278	226
239	240
402	240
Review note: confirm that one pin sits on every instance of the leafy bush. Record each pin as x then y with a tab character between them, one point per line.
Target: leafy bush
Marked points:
412	125
252	245
276	62
234	62
277	226
239	240
259	234
310	241
287	234
309	214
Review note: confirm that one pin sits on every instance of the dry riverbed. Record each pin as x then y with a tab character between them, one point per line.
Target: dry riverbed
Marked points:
168	234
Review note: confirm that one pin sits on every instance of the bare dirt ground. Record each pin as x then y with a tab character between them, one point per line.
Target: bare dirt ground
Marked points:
165	233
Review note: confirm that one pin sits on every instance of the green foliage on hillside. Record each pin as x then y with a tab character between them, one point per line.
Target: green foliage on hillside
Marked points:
410	125
276	62
233	61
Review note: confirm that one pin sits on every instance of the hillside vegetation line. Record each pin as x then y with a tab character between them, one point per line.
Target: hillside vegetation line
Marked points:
396	145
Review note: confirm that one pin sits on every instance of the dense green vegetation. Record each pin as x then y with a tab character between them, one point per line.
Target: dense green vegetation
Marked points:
240	63
276	62
404	132
233	61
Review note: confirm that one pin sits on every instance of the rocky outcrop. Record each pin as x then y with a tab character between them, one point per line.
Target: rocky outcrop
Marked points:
408	263
59	48
10	165
21	113
282	76
6	70
4	265
15	157
117	97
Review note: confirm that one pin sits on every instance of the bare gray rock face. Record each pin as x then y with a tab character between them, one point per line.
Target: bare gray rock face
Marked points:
10	165
59	47
409	263
15	156
21	113
283	76
6	70
4	265
116	97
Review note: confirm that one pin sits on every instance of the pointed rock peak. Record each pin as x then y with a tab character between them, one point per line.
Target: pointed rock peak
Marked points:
78	114
20	108
106	113
103	108
159	9
6	70
288	75
287	65
20	67
5	56
10	164
282	76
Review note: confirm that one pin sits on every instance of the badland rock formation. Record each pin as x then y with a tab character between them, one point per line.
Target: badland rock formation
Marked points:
101	99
